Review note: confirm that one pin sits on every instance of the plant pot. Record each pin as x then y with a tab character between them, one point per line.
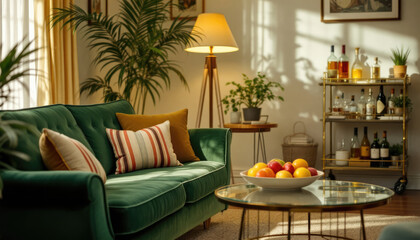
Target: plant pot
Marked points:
400	71
398	111
394	160
252	114
235	117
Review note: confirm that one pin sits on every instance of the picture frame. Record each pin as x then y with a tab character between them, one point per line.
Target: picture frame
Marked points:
192	8
98	6
333	11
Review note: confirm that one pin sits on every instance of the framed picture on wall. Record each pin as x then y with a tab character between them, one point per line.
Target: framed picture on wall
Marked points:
359	10
98	6
187	8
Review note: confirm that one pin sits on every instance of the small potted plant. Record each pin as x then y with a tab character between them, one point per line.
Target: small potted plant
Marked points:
252	93
395	151
399	103
399	57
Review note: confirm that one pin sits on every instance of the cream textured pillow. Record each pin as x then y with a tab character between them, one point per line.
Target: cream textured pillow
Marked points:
60	152
146	148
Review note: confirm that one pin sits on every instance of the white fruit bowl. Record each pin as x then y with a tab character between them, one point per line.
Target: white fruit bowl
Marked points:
281	183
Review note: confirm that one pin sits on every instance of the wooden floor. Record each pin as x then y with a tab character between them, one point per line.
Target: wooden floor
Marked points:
407	204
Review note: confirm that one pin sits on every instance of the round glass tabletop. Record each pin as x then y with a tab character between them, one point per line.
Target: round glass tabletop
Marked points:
322	195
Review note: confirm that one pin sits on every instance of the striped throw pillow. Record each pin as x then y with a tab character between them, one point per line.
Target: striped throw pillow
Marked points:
60	152
147	148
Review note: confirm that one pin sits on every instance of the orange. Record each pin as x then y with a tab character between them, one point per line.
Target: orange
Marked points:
266	172
302	172
252	172
260	165
283	174
300	162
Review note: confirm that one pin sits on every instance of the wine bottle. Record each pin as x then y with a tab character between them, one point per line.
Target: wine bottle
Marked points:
375	71
332	67
374	151
343	64
381	102
384	151
391	104
370	107
365	146
357	67
361	105
355	146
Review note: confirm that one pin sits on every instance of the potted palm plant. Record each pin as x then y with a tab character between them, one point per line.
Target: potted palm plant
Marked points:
399	57
132	48
13	67
252	93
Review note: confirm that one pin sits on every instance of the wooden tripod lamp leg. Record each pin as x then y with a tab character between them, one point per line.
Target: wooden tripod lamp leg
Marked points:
218	98
202	95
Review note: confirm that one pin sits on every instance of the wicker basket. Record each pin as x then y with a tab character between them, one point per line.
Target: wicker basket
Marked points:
293	151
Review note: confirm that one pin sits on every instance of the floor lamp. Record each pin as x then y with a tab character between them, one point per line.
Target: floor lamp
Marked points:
213	36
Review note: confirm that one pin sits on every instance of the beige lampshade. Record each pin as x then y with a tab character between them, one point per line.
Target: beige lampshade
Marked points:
213	31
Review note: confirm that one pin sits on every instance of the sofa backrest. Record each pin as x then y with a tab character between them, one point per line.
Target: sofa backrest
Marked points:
93	119
54	117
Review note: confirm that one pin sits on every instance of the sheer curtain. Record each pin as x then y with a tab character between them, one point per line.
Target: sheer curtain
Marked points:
17	25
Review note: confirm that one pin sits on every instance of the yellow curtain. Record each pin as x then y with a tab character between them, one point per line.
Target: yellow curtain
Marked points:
58	57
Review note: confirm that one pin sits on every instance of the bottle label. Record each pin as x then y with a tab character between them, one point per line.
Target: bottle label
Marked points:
332	73
353	109
356	73
384	152
365	151
380	106
374	153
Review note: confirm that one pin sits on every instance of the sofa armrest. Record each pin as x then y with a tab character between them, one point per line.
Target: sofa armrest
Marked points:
53	205
212	144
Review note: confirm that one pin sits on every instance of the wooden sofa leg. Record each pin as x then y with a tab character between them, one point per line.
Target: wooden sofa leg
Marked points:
206	224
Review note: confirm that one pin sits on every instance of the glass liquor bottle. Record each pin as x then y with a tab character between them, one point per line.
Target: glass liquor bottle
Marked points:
370	107
375	71
352	108
391	104
343	64
332	67
361	105
381	102
365	146
374	151
355	146
345	105
337	109
384	151
357	67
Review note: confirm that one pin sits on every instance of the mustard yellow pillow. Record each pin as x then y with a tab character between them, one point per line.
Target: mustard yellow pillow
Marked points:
178	128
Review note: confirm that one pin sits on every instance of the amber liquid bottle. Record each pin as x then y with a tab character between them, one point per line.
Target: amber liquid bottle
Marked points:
332	67
365	146
343	64
355	146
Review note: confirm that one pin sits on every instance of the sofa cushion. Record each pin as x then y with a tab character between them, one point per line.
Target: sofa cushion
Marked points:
199	178
54	117
93	119
179	132
60	152
147	148
135	204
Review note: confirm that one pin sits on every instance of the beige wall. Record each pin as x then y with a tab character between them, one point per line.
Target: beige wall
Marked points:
287	40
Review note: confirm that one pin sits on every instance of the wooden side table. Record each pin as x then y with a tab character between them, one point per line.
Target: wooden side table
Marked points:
258	130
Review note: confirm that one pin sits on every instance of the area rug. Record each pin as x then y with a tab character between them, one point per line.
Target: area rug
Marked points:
226	225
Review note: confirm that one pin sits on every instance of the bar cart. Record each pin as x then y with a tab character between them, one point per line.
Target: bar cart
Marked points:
329	159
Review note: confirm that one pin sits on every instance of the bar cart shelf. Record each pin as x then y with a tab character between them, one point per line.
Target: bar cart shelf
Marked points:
329	119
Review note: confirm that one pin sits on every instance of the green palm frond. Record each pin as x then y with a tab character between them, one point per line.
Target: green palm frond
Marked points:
132	48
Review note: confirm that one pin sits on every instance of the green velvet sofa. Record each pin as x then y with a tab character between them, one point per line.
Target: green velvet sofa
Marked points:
158	203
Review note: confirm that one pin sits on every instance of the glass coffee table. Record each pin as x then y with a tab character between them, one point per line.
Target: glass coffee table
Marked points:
320	196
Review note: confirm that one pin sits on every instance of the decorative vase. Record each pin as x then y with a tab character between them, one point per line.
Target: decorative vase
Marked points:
400	71
235	117
252	114
398	111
